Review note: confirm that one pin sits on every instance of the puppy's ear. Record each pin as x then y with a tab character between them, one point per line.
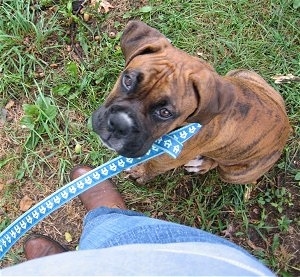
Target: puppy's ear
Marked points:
138	38
214	94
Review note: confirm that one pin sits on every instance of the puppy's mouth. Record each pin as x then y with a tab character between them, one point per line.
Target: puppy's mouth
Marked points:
120	131
128	147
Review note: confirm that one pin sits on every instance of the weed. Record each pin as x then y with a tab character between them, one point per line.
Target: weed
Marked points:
277	197
284	223
39	119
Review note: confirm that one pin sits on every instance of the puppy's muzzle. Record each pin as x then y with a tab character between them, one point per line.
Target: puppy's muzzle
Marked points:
121	130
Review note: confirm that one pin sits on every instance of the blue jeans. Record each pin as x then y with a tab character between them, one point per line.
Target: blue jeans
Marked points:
127	243
106	227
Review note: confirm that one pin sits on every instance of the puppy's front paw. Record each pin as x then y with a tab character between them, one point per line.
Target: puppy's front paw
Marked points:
138	173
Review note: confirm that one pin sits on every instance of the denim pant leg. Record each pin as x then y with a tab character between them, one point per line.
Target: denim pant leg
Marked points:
107	227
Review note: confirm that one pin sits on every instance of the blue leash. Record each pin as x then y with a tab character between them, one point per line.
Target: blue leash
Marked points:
171	144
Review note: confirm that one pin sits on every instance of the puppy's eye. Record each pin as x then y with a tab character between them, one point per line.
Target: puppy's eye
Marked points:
127	81
165	113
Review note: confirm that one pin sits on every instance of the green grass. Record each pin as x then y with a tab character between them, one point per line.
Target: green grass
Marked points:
58	90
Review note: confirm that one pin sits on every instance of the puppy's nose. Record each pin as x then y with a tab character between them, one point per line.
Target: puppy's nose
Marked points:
119	123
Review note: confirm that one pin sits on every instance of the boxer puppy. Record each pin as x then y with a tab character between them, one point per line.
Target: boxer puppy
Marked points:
244	123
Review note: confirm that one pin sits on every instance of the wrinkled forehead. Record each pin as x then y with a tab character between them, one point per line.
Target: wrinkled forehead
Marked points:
158	78
158	69
169	61
152	63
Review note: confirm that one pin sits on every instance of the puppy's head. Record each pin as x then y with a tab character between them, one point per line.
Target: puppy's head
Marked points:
160	89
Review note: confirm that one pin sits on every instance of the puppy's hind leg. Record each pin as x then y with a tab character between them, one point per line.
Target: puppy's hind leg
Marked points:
200	165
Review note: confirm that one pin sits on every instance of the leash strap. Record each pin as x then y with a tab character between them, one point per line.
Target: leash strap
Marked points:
171	144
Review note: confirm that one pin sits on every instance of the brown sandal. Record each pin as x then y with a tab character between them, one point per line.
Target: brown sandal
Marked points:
104	194
37	245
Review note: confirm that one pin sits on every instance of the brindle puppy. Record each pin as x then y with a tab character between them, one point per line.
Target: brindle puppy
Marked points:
245	125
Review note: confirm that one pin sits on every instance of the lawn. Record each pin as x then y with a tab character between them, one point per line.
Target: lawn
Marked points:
58	62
